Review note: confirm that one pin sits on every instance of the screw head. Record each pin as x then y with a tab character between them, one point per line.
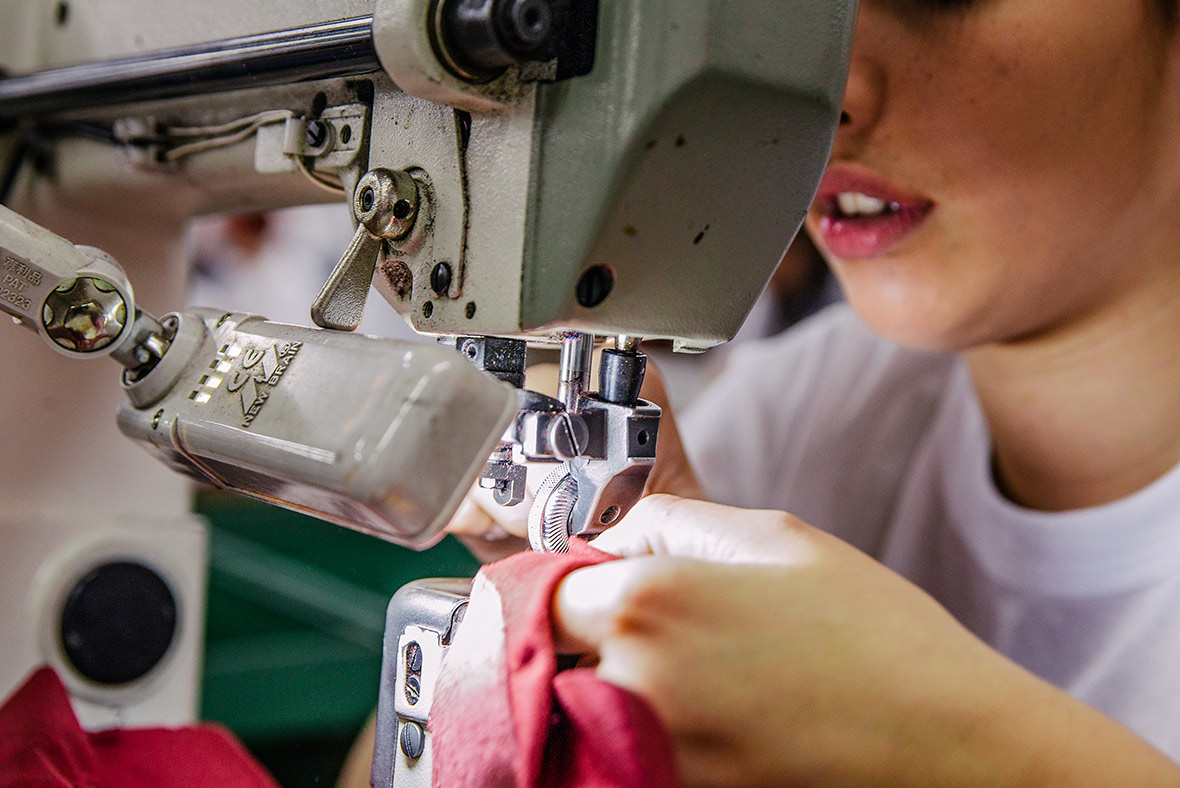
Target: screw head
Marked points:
413	657
594	286
316	134
368	197
568	436
440	279
413	740
84	315
609	515
413	689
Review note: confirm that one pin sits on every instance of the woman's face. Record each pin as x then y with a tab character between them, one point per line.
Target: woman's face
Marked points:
1005	168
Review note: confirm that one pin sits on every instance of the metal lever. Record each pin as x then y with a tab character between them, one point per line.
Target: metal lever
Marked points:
385	205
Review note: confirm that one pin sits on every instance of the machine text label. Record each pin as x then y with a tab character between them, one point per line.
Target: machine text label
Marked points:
19	269
261	370
249	373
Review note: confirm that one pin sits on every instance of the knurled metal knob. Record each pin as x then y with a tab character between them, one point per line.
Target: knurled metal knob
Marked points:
549	519
84	315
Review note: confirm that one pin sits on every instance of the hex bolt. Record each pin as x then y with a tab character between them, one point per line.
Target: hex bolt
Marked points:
413	740
440	279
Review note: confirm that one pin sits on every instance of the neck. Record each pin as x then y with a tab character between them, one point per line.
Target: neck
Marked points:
1085	415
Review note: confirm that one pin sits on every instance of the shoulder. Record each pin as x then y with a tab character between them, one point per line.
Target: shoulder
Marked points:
825	411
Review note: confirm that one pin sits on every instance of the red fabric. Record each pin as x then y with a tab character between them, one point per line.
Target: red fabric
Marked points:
503	717
43	746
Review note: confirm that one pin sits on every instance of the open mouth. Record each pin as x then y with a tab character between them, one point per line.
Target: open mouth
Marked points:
856	224
855	205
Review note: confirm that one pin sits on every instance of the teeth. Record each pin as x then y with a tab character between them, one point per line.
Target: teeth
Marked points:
857	204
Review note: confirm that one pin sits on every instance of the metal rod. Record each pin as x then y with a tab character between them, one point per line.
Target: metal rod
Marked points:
577	353
331	49
628	343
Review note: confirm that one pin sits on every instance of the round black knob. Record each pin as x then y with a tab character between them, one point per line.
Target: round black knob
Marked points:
118	622
481	38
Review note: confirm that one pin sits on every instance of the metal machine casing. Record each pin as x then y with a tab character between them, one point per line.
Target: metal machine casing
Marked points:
677	170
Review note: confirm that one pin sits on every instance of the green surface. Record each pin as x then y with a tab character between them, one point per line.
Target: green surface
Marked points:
296	610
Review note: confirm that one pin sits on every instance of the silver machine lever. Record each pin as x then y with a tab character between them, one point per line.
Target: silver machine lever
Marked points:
385	205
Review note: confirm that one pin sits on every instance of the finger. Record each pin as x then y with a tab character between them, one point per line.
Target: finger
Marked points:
513	519
685	528
587	602
470	520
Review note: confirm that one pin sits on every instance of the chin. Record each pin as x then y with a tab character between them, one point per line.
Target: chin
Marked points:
921	323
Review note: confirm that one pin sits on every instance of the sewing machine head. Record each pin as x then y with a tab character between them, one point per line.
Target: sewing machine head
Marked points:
617	168
517	168
542	169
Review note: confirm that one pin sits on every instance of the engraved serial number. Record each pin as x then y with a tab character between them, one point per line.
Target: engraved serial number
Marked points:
14	298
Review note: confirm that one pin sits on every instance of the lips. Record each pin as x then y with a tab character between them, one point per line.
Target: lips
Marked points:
862	216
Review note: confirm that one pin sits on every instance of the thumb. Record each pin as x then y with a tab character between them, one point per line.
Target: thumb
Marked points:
586	604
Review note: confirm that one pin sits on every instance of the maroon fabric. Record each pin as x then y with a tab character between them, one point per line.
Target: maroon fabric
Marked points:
510	720
43	746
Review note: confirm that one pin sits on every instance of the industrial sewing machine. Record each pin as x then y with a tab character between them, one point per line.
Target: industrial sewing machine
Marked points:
549	171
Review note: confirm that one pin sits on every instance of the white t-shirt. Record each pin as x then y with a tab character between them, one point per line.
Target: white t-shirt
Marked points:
888	449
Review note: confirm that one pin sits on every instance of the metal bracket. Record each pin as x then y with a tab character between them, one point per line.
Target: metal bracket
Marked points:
335	140
427	140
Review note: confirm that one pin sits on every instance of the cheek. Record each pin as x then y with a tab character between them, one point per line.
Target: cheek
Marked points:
1038	160
1045	110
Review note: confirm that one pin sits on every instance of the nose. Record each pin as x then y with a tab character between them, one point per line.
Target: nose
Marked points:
864	94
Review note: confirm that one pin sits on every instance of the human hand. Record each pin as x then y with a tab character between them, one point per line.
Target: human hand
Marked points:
801	661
